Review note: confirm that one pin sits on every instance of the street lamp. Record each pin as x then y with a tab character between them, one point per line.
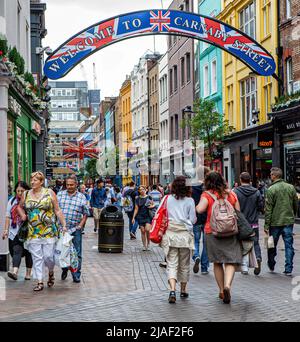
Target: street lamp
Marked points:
188	110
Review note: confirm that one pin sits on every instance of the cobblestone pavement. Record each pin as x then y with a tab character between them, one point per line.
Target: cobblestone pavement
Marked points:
131	287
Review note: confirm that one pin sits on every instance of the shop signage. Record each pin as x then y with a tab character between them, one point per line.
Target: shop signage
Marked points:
49	172
14	106
265	140
167	22
290	125
52	164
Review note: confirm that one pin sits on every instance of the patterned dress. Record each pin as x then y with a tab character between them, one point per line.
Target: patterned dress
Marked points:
41	216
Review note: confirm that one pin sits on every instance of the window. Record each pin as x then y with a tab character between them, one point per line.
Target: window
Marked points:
176	127
267	94
289	73
248	100
172	128
205	81
187	5
288	9
182	72
247	20
214	77
19	153
175	78
267	18
171	81
229	105
188	67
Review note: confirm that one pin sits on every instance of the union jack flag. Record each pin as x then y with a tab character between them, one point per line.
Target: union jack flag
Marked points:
81	150
160	22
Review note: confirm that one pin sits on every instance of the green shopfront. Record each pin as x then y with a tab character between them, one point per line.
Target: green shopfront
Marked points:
22	133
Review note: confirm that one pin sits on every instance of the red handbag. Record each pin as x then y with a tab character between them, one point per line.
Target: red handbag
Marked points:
159	223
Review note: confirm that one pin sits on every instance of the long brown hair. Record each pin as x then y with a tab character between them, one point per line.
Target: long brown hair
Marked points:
215	182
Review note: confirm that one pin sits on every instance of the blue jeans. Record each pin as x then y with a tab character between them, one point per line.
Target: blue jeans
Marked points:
132	227
287	235
77	242
198	229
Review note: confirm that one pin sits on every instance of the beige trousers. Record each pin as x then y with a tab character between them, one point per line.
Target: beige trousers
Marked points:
178	264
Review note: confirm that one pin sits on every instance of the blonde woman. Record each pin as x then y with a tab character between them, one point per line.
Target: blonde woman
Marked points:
40	208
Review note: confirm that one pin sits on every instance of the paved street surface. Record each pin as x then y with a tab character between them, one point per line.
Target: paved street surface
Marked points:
130	286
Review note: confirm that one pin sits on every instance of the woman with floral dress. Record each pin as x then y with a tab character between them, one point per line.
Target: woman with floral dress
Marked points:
39	207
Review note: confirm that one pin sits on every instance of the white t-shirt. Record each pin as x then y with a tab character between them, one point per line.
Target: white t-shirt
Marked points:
12	231
181	211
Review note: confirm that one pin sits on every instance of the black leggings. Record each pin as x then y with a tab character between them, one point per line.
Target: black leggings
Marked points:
17	251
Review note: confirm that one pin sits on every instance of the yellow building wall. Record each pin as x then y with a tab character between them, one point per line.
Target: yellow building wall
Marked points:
235	71
125	96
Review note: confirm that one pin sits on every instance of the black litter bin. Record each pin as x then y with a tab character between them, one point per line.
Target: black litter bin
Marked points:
111	231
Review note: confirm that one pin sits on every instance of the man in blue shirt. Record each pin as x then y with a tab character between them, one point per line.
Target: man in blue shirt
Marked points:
74	207
98	199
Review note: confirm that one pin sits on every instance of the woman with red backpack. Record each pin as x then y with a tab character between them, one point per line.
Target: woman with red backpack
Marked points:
223	247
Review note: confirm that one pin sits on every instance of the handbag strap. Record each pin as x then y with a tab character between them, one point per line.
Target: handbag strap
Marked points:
165	202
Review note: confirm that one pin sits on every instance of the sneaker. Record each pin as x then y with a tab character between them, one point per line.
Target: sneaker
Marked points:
163	264
76	279
172	297
196	265
132	236
245	272
288	274
95	230
258	268
204	272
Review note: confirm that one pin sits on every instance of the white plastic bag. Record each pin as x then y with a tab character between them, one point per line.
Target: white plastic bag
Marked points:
271	242
62	250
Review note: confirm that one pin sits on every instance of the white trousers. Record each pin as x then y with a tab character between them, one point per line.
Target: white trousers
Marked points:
178	264
42	255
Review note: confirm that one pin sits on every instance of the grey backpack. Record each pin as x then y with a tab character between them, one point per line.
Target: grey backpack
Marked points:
223	220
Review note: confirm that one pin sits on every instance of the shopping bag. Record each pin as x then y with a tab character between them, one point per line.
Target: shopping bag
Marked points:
57	251
73	259
160	223
62	250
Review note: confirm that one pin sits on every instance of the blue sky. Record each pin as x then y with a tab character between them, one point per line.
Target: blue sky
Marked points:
66	18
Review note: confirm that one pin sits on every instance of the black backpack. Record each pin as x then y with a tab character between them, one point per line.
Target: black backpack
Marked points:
246	232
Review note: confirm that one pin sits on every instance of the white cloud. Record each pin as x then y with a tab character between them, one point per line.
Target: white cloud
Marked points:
66	18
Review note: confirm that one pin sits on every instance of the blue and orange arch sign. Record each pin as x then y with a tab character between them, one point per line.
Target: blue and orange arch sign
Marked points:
150	22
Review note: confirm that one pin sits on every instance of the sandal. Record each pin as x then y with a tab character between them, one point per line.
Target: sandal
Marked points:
227	295
38	287
51	279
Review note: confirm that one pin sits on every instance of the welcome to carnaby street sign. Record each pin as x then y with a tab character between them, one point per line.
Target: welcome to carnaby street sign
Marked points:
170	22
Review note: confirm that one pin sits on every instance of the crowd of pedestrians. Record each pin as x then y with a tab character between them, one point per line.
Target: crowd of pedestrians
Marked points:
198	215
